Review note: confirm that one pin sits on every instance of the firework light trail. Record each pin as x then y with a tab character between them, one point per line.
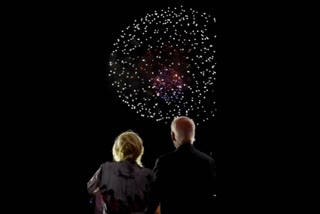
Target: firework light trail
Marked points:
163	65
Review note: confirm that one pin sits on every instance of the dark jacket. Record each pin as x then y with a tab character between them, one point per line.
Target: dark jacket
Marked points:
123	185
184	182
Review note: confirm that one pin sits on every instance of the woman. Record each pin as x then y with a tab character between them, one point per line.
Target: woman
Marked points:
123	183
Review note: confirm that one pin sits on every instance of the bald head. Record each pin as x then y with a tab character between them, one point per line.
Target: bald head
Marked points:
182	131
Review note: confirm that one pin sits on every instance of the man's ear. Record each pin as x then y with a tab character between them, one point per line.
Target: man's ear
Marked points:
173	137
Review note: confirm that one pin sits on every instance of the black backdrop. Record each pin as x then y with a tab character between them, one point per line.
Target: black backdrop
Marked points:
76	115
101	115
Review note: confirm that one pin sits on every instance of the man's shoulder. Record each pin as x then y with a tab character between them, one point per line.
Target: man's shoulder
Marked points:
166	156
203	155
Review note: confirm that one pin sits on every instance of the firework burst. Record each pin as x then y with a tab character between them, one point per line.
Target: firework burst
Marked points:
163	65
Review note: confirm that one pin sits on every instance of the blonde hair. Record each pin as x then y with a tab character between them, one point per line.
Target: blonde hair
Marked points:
128	146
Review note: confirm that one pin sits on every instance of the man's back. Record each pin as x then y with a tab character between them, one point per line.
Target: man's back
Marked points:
184	181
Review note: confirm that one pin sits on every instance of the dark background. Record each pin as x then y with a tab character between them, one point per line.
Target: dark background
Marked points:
101	116
69	116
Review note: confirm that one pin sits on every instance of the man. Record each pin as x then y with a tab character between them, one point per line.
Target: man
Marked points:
184	180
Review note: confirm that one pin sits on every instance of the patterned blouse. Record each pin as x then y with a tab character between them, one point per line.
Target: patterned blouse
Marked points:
123	186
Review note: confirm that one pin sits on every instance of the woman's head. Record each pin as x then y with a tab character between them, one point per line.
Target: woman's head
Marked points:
128	146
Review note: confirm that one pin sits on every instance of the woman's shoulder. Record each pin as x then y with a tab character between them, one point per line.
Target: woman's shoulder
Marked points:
146	171
108	164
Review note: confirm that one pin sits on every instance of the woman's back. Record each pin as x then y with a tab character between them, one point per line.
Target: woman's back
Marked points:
126	186
123	183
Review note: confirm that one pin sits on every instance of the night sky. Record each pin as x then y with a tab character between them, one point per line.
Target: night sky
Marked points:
87	106
100	114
